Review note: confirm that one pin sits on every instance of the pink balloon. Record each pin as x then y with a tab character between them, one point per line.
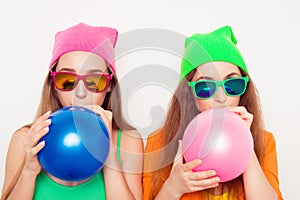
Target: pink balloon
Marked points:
222	140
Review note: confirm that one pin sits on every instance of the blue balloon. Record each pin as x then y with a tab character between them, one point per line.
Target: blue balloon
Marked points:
76	145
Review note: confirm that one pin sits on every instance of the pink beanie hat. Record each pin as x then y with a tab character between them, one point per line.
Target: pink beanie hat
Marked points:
82	37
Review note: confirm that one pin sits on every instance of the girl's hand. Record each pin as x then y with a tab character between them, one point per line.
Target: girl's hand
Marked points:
105	115
183	180
39	128
243	113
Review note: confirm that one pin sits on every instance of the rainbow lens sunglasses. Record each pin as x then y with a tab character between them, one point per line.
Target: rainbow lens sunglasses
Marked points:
205	89
67	81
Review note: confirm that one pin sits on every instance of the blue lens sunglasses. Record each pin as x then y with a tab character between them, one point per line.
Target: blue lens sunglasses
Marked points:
205	89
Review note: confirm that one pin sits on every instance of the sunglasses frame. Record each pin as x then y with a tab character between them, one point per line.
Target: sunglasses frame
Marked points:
218	84
108	77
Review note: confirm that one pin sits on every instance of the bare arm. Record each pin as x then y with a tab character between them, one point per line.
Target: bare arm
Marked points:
128	177
22	165
133	155
256	184
114	178
262	178
14	157
24	184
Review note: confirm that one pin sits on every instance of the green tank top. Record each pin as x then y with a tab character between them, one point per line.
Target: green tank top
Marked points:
47	189
93	189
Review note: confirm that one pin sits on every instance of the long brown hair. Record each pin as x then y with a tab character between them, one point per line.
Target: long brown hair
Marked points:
50	102
181	111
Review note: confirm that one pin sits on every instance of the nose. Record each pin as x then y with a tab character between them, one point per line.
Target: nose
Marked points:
220	96
80	90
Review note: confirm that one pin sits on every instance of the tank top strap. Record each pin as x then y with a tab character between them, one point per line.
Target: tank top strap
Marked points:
119	147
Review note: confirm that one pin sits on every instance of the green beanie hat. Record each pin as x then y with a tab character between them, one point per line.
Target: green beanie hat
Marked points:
219	45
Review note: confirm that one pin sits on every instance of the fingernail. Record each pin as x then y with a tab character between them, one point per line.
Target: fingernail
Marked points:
212	173
48	121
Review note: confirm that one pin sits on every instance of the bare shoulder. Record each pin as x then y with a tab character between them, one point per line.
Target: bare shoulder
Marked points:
133	134
131	140
15	154
20	133
132	151
16	143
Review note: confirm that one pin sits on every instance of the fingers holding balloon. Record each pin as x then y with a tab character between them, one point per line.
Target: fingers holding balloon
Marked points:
32	145
202	184
99	110
106	115
38	148
41	123
199	175
240	110
203	179
243	113
39	128
39	134
191	165
185	180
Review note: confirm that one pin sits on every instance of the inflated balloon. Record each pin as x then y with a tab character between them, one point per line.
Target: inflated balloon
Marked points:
222	140
76	145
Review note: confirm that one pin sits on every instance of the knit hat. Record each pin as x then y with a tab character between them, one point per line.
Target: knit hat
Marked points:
219	45
82	37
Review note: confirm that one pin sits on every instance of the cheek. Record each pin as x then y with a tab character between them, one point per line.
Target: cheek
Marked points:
65	98
204	104
233	101
99	98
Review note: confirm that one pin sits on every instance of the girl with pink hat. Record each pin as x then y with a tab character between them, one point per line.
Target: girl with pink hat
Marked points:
80	53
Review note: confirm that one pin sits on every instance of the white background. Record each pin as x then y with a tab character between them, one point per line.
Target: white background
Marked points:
268	35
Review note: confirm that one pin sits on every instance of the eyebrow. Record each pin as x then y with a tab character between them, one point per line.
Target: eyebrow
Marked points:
66	69
232	74
204	77
95	71
91	71
226	77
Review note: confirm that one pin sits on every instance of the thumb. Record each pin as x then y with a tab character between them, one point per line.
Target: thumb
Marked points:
178	157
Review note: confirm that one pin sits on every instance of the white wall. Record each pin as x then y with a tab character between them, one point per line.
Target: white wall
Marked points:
267	32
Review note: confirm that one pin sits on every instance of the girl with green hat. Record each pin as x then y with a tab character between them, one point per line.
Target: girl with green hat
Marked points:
213	74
